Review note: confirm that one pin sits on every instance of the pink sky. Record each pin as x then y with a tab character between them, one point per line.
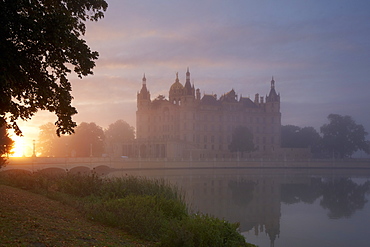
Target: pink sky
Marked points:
317	51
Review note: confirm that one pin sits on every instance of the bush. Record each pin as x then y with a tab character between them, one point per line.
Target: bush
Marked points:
145	216
203	231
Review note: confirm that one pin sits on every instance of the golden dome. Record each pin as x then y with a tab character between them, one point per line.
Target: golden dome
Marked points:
176	86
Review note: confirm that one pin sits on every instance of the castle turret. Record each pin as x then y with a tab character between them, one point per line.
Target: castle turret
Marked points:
273	108
143	97
273	96
188	89
143	107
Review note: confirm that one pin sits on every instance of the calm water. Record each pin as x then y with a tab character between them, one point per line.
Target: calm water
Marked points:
280	207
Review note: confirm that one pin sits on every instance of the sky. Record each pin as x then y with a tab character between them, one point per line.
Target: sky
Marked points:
317	51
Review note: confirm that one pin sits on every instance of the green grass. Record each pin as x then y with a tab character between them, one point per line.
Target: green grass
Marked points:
149	209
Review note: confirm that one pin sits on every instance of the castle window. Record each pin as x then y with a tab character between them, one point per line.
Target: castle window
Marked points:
212	139
205	139
213	147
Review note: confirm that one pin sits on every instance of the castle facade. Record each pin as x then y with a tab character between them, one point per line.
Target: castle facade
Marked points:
189	125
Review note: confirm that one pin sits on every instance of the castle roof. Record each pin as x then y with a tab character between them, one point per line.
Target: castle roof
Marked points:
229	96
247	102
209	99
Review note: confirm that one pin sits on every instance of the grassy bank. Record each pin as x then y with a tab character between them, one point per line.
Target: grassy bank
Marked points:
151	210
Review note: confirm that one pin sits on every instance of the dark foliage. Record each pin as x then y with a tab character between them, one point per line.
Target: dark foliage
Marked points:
297	137
242	140
40	41
342	197
6	145
342	136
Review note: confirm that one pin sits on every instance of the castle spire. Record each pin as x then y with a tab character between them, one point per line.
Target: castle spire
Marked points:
144	80
272	82
188	89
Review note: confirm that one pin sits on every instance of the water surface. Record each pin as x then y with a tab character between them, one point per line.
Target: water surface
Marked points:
280	207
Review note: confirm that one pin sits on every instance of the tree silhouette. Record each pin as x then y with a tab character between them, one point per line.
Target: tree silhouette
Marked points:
343	197
6	145
295	193
342	136
88	140
49	144
40	42
296	137
118	133
242	140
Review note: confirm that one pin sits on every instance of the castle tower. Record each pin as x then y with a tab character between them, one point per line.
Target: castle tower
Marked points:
143	107
188	89
176	91
143	97
273	109
273	96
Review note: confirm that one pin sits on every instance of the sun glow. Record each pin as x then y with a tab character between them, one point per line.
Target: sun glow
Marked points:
20	148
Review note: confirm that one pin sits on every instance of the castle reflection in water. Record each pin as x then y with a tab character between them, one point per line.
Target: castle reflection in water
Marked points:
253	197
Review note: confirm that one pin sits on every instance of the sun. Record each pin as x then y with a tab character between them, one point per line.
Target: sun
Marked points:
19	147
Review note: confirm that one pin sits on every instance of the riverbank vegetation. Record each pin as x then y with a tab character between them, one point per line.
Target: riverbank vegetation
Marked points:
151	210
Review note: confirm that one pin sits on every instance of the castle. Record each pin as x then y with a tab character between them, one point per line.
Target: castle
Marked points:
190	126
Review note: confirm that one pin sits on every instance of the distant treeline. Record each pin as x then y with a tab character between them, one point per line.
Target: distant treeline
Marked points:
340	138
89	139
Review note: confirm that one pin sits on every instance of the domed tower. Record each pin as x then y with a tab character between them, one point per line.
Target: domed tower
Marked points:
176	91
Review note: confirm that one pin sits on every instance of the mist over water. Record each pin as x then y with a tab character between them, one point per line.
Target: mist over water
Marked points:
280	207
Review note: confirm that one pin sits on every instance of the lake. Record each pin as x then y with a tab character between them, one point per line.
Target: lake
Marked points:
280	207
